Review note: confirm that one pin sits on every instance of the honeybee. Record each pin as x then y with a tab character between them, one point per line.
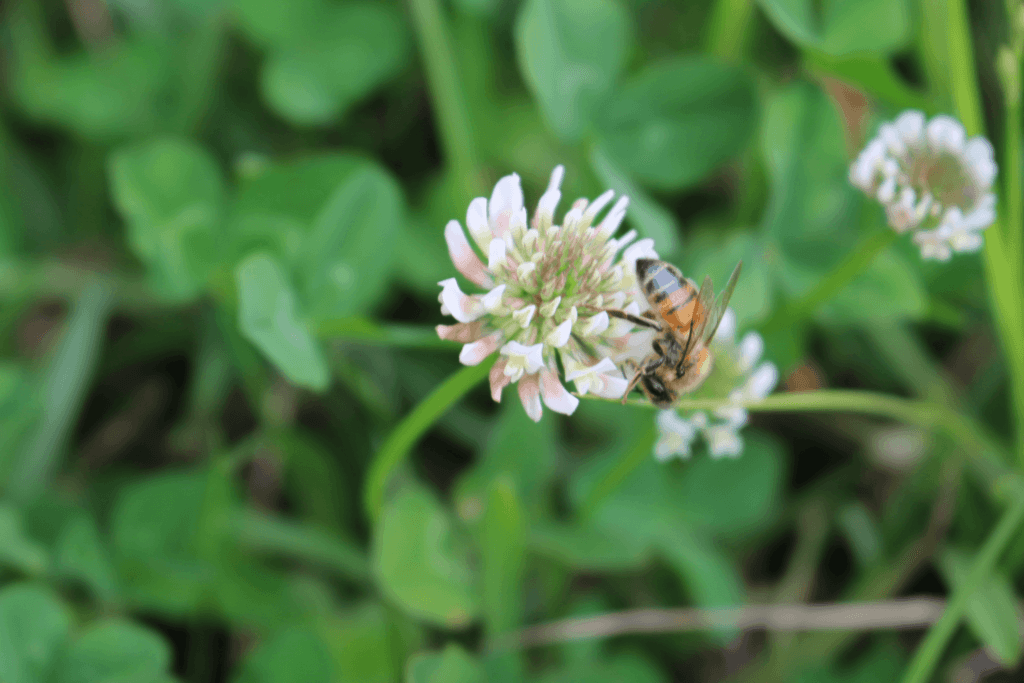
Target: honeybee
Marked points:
686	319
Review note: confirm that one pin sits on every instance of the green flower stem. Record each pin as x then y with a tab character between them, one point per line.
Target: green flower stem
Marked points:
446	92
930	651
986	457
1004	272
858	261
401	440
728	28
366	331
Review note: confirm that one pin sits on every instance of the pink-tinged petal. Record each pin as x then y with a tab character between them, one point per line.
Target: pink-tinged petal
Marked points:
475	352
554	394
506	200
496	254
529	394
463	308
476	221
610	386
499	380
545	215
462	332
463	256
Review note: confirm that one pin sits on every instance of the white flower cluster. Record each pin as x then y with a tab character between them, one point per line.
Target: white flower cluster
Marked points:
737	372
545	285
932	180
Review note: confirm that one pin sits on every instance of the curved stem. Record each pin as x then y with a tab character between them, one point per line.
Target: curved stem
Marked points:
449	101
401	440
929	652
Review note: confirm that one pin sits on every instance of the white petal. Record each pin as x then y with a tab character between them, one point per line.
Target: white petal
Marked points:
524	315
548	309
506	199
525	269
751	348
613	220
529	394
610	386
549	200
723	440
945	133
463	256
475	352
727	326
492	299
910	125
579	369
642	249
763	381
554	394
980	159
595	207
596	324
476	221
462	307
496	254
559	336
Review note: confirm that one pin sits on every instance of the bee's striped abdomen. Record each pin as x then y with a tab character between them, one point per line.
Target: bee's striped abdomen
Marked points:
659	282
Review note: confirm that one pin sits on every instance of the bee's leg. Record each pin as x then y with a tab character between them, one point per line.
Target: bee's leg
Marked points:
648	367
636	320
632	385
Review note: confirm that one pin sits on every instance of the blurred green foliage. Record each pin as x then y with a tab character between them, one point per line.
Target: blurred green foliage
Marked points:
220	241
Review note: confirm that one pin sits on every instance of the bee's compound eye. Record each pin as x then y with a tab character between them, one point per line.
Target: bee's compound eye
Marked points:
656	390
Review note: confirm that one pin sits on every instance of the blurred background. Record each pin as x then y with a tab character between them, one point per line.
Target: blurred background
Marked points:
221	233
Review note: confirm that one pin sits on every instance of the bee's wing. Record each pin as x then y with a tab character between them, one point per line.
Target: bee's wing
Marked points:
710	323
705	300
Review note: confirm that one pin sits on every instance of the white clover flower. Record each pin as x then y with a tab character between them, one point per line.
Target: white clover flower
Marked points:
738	374
932	180
545	287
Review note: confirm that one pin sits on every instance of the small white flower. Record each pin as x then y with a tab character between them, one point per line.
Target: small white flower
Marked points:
932	180
546	284
675	436
739	374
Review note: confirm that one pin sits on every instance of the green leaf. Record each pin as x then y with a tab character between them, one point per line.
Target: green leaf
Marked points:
571	53
104	94
154	529
171	194
587	548
332	221
280	536
293	655
453	665
353	49
891	284
345	266
268	318
731	495
420	563
712	253
518	447
115	651
842	27
503	533
80	555
17	550
679	119
626	666
361	646
33	628
991	610
810	212
269	22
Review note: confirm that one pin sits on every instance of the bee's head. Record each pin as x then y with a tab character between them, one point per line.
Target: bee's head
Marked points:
644	267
